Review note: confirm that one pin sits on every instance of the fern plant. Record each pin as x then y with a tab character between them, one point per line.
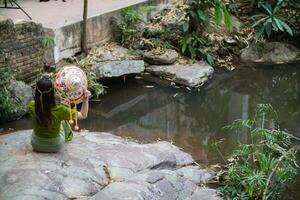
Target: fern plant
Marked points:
47	41
261	168
269	20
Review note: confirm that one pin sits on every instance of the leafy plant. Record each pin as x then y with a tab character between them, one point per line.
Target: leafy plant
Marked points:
129	24
199	15
97	88
191	44
260	169
269	20
9	106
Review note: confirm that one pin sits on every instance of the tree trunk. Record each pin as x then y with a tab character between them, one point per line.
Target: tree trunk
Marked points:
83	37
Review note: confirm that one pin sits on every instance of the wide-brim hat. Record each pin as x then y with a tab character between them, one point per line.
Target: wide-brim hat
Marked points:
70	84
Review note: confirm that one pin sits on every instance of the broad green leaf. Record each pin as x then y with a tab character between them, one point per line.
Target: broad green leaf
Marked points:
267	7
268	27
207	56
286	27
209	59
275	28
278	6
278	23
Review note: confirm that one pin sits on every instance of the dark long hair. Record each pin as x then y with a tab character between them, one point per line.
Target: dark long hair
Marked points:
44	101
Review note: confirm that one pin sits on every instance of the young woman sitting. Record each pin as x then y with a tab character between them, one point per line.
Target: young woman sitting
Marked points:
50	126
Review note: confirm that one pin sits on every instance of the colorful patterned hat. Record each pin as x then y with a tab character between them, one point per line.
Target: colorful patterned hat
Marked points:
70	83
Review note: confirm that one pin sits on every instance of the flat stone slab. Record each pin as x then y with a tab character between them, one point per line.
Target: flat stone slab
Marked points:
185	74
118	68
95	166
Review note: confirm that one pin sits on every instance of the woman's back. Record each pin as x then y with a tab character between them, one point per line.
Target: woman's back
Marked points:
59	113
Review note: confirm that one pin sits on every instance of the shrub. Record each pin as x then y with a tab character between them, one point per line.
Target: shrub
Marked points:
9	106
199	15
129	25
260	169
269	20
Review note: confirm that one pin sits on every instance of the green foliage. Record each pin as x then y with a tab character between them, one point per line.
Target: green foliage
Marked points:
47	41
198	17
269	19
9	106
131	18
260	169
96	88
94	85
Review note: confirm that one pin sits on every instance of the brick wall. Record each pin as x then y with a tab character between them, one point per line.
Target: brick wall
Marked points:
21	48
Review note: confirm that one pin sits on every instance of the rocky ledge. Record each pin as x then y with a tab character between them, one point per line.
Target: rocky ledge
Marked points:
99	166
270	53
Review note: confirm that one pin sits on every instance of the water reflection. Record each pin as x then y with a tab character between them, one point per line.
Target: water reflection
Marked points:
193	120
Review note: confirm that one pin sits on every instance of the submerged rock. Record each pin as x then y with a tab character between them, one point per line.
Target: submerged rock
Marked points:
109	69
185	74
168	57
270	53
98	166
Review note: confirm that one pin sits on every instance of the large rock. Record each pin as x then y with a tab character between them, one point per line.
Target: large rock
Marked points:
270	53
98	166
186	74
168	57
110	69
21	96
22	92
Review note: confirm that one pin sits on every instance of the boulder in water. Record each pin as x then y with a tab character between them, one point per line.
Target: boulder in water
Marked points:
270	53
190	75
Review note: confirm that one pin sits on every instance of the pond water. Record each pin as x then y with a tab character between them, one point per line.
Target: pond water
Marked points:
193	120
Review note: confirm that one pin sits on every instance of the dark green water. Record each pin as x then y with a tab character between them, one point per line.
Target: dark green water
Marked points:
194	119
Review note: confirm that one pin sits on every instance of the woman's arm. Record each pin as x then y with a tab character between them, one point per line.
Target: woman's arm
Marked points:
83	113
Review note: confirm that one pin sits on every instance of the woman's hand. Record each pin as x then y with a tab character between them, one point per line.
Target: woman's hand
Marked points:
86	94
85	105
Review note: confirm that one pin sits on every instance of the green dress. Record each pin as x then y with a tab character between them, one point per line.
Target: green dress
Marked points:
51	139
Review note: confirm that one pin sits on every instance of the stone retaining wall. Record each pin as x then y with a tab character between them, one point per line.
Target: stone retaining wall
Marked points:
21	48
100	29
